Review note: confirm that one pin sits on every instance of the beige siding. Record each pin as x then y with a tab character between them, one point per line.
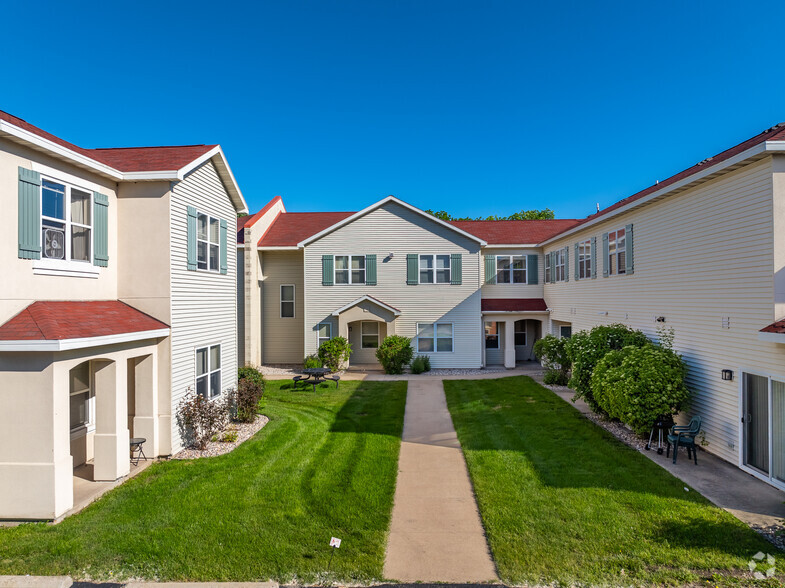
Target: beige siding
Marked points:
283	337
241	358
513	290
204	304
701	255
398	230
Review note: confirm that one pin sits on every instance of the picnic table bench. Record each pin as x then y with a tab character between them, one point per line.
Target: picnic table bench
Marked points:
315	376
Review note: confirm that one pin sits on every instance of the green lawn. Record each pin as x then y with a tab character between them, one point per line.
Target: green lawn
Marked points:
563	501
325	465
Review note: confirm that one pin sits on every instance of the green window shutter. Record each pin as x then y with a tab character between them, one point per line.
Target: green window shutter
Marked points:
456	269
532	271
490	269
629	258
577	263
370	270
29	214
224	264
191	238
327	270
567	264
605	253
412	261
594	257
100	229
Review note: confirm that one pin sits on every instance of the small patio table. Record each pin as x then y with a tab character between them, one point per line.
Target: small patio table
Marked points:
136	449
314	376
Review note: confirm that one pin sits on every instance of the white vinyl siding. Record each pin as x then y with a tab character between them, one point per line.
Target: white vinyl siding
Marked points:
701	256
398	230
204	304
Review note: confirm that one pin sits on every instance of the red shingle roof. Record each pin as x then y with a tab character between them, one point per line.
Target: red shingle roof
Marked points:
56	320
290	228
515	232
778	327
513	305
249	219
124	159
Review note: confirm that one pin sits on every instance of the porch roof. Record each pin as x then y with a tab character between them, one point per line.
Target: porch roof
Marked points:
370	299
55	325
775	332
513	305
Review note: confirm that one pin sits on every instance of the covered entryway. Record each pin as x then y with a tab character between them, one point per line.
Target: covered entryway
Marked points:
365	323
512	327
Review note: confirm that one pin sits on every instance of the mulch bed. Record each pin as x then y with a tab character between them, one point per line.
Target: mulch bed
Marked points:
244	432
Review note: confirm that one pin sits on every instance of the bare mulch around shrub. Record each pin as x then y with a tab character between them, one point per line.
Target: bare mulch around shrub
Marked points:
244	432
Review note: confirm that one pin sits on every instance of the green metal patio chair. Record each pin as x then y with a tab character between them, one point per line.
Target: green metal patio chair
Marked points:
684	436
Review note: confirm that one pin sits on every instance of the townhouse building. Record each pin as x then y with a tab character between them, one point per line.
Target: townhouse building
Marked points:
119	295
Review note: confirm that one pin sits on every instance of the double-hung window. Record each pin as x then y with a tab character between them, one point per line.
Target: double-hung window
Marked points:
617	252
510	269
66	222
369	334
208	371
208	246
491	335
434	269
324	333
520	333
559	266
584	259
349	269
434	337
81	398
287	300
548	271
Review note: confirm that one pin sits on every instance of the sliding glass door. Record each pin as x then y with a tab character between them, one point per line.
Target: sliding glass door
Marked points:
763	422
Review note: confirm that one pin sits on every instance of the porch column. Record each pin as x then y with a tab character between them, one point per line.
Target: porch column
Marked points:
112	451
146	404
509	343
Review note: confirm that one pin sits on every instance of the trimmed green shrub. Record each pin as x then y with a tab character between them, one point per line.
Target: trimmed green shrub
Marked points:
555	378
420	364
249	372
552	353
311	361
334	353
586	348
395	353
638	384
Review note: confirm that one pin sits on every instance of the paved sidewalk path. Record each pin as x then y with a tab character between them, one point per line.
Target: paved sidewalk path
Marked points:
436	534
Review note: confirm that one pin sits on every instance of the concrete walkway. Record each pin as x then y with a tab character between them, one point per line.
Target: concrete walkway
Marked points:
436	534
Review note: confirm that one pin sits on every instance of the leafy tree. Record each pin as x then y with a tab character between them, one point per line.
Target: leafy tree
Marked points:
534	214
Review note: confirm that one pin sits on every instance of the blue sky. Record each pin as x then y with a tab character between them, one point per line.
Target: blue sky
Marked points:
478	108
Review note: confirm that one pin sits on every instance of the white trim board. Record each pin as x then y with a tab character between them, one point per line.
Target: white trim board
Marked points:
80	343
379	204
370	299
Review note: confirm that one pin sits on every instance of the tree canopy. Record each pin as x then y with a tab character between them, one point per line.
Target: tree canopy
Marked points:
545	213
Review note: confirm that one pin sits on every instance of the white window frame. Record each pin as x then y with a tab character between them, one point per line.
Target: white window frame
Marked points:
319	338
350	282
80	264
434	269
510	271
435	338
210	369
208	243
584	259
614	268
293	301
363	334
525	334
559	265
498	337
89	426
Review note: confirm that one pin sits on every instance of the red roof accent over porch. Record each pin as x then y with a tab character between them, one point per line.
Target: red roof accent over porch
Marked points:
513	305
778	327
56	320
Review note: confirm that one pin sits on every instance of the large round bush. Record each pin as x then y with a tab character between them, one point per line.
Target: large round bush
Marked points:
395	353
638	384
586	348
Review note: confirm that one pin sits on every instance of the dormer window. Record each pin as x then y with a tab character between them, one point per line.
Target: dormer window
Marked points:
66	222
